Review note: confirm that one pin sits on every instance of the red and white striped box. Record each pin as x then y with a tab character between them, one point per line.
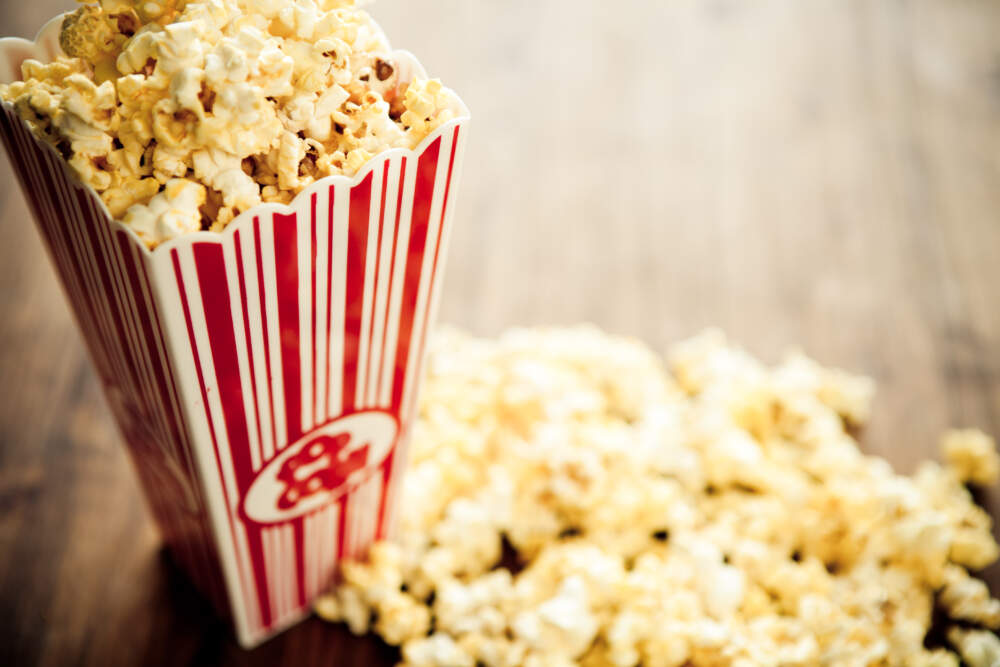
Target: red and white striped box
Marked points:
264	378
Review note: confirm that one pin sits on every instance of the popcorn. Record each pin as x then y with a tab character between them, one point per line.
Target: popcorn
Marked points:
170	213
968	599
721	515
438	650
978	648
973	455
253	99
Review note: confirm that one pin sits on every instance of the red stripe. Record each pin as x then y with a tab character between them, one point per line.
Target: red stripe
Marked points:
35	183
140	315
24	156
103	333
286	266
380	527
437	253
213	283
265	609
378	266
213	576
392	270
342	526
167	500
95	332
298	537
102	245
244	298
84	307
22	165
357	249
387	464
298	526
263	317
312	253
426	170
132	311
214	287
329	285
423	340
23	171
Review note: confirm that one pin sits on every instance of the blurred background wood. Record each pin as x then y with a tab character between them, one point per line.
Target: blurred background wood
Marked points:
823	174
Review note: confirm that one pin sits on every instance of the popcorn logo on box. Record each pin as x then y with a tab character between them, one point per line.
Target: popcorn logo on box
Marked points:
320	467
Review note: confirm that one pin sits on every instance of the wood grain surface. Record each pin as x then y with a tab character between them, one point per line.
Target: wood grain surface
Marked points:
821	173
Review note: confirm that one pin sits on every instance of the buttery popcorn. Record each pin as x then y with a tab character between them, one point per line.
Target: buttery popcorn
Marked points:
721	514
251	100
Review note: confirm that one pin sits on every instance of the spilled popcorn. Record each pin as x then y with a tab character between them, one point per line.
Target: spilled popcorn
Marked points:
720	514
246	101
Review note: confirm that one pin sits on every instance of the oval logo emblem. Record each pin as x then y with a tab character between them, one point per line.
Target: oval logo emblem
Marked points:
320	467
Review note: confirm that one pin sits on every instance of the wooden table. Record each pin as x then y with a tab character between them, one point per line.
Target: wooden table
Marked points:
819	173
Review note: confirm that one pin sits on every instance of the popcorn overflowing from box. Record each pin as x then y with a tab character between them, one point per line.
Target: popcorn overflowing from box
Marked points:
718	514
242	101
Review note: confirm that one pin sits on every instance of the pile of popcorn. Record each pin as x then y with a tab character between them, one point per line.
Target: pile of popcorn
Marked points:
183	113
571	502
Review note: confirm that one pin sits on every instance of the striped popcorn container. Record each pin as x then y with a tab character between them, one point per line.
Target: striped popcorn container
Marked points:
264	378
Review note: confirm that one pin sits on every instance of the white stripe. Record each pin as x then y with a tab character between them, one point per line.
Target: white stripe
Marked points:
112	351
325	534
260	368
278	602
341	215
35	182
360	518
56	231
317	544
366	514
368	294
307	560
399	462
420	315
189	395
199	326
145	369
242	357
33	157
132	385
157	326
436	287
280	570
322	262
170	447
279	575
112	347
377	351
66	231
269	566
273	328
286	572
398	282
350	524
309	553
332	532
317	551
303	229
198	553
291	571
79	245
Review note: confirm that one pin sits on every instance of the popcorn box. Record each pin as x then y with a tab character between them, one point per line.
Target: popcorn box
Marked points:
264	378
